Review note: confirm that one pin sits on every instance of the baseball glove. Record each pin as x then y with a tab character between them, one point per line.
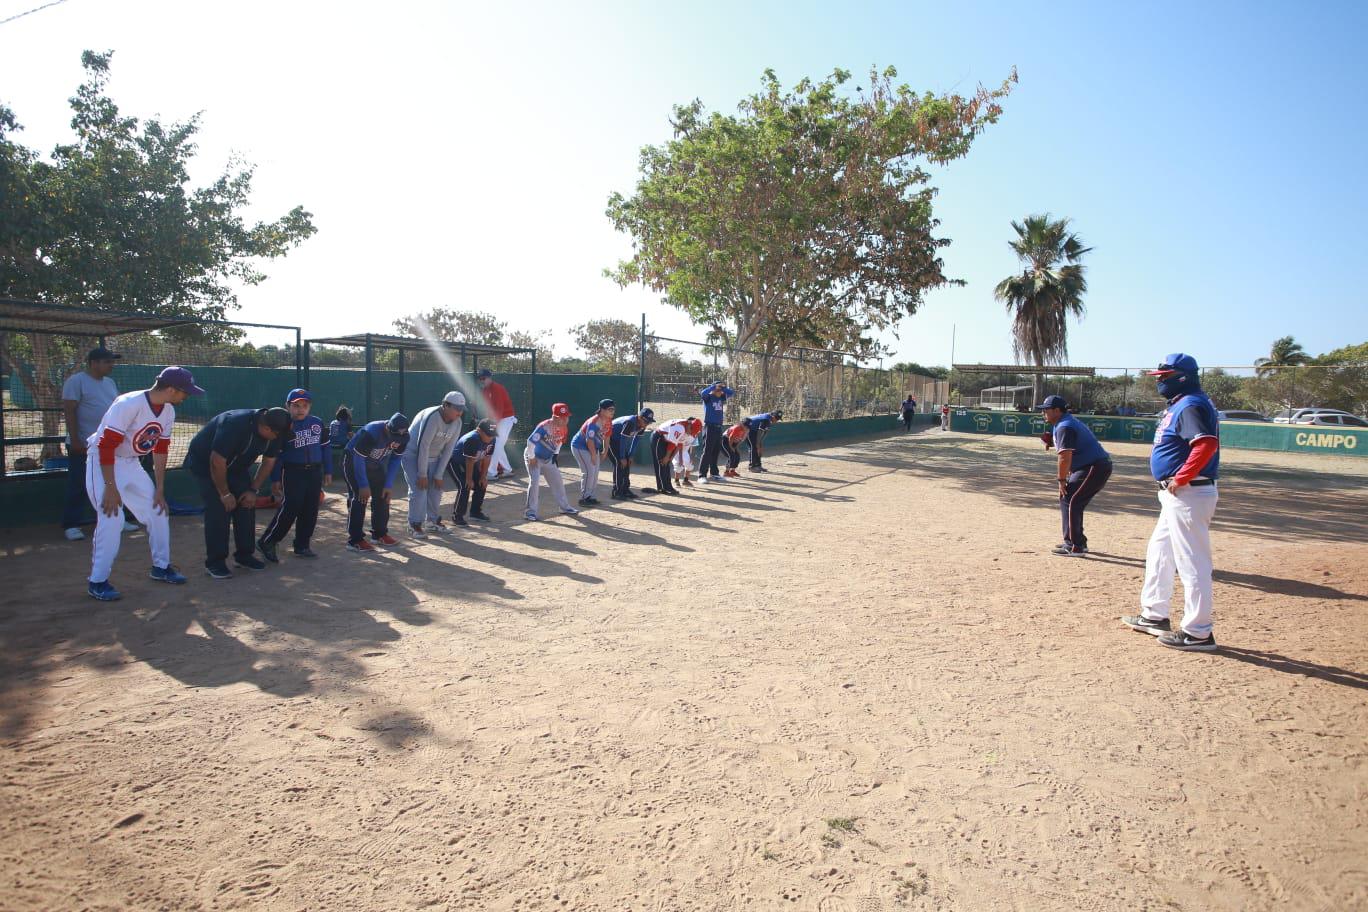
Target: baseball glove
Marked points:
1048	439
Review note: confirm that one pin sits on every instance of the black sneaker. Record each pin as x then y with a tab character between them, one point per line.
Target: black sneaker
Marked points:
1069	551
268	551
305	551
459	521
628	495
249	561
1145	625
218	571
1187	642
480	515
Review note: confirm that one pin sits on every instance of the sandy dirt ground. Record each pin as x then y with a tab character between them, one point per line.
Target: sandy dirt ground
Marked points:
858	683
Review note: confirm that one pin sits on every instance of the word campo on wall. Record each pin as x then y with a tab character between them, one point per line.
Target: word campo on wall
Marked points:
1332	441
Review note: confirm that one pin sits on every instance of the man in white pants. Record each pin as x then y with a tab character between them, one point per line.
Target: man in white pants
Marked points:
499	409
432	437
137	424
541	455
1184	462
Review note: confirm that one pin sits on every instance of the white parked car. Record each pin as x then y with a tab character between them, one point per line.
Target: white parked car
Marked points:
1325	417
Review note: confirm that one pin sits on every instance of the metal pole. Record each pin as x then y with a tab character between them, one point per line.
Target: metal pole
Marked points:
305	363
401	381
370	367
641	369
4	457
301	373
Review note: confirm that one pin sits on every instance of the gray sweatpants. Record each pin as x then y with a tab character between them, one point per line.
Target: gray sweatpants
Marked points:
589	471
552	472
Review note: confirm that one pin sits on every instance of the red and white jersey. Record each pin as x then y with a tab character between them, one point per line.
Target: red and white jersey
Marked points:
676	432
736	433
133	427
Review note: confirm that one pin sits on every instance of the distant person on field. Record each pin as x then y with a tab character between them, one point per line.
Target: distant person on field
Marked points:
909	411
86	396
499	409
945	417
136	425
715	397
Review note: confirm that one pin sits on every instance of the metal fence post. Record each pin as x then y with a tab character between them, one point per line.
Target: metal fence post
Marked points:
301	372
306	351
401	381
641	369
370	368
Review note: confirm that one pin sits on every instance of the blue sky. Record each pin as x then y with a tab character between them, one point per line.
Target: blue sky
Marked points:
458	155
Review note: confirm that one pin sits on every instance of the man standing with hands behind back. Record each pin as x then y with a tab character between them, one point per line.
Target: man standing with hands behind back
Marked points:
86	396
499	409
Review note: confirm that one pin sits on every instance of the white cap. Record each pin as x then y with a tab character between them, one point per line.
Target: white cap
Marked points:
454	398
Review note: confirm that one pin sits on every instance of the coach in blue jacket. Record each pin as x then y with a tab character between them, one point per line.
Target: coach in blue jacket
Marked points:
1083	470
622	444
715	398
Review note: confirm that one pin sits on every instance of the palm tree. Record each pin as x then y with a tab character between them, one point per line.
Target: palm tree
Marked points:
1286	352
1049	289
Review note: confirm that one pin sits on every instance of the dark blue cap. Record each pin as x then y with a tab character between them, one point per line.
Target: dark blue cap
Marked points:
1176	363
299	394
607	403
647	415
484	372
398	423
1053	402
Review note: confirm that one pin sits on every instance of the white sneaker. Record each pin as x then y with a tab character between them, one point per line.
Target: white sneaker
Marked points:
131	526
705	480
74	534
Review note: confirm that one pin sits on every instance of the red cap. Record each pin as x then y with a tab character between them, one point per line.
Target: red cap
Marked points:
560	410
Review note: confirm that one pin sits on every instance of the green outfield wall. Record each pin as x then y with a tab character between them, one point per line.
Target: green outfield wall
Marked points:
1245	435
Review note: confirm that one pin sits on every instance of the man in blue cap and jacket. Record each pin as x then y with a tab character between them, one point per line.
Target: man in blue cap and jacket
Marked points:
1083	470
369	467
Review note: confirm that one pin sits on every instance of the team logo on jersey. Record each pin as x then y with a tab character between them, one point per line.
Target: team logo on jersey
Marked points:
145	439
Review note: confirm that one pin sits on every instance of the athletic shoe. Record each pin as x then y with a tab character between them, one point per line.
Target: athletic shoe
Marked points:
131	526
268	550
687	483
105	592
250	562
1145	625
1069	551
361	546
385	539
708	479
715	478
167	574
570	511
530	516
218	571
592	501
459	521
480	515
583	501
628	495
1180	639
439	527
305	551
615	495
75	534
416	530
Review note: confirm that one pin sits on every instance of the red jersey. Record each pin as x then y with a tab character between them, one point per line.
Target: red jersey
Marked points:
736	433
497	400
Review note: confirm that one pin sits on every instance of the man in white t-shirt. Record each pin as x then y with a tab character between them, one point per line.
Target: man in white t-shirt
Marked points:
86	396
136	425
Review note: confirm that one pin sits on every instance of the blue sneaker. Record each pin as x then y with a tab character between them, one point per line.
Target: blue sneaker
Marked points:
167	574
104	592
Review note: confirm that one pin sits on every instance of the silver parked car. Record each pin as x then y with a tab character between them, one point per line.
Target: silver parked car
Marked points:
1240	415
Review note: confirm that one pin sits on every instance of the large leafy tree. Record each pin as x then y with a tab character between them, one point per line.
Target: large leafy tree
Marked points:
110	221
1285	352
1048	290
475	326
609	344
803	219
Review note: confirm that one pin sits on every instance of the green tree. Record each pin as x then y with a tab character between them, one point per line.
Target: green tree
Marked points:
1345	354
611	345
110	221
1285	352
1047	291
804	219
912	367
472	326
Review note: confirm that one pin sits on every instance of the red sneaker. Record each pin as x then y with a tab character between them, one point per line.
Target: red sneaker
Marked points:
362	546
384	539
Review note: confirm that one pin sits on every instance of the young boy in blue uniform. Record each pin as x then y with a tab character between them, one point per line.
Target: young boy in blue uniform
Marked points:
369	467
469	468
304	467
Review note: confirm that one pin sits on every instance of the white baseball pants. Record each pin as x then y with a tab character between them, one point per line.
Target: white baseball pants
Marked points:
548	469
589	472
1181	541
137	491
424	504
500	460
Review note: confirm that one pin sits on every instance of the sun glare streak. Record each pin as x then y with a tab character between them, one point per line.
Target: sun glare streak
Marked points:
461	379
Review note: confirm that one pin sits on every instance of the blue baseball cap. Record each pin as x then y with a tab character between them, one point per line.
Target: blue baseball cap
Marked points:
181	379
647	415
1176	363
297	394
484	372
1053	402
398	423
607	403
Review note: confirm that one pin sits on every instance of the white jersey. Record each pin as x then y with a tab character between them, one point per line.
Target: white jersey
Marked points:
675	432
132	421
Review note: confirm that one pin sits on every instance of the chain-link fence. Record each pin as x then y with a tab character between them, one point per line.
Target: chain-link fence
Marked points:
237	364
804	383
1256	392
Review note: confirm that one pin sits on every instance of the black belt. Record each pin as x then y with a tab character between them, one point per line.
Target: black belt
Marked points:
303	465
1195	483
